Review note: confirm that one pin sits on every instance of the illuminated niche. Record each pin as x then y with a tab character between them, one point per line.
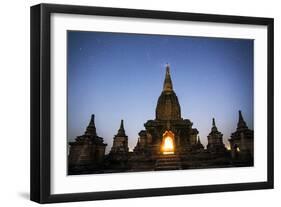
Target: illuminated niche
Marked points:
167	146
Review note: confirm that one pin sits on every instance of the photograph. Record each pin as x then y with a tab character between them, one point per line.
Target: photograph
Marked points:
155	102
133	103
140	103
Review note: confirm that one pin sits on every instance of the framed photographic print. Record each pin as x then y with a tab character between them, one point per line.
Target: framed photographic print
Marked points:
133	103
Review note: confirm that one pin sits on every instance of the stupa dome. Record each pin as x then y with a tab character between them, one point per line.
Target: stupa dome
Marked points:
168	107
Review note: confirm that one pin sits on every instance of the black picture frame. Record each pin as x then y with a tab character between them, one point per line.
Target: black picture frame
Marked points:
41	95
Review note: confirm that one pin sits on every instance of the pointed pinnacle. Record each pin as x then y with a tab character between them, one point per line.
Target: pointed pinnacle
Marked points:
168	86
122	124
121	130
240	116
92	121
91	129
214	123
214	127
241	122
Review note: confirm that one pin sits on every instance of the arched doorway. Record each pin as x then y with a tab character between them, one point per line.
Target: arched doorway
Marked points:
168	143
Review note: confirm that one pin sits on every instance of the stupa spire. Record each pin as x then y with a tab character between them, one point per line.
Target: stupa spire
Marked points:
92	121
214	127
120	141
91	129
241	122
121	131
168	107
168	85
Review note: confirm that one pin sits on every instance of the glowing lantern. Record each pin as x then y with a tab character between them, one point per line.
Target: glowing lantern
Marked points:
168	143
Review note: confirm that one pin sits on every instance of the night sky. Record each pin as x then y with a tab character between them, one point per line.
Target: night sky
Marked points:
120	76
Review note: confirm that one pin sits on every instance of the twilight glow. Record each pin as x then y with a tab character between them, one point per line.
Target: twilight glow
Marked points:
120	76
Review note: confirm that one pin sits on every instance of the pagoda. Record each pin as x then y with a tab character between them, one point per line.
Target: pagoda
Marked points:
242	141
215	142
87	151
120	141
167	119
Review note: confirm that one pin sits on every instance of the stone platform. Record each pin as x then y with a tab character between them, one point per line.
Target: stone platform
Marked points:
168	162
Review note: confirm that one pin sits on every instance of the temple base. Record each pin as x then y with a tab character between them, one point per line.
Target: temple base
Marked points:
168	162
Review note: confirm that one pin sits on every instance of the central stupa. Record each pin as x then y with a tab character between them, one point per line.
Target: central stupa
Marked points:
168	107
168	119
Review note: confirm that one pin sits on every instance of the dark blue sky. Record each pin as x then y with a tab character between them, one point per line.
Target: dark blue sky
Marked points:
120	76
